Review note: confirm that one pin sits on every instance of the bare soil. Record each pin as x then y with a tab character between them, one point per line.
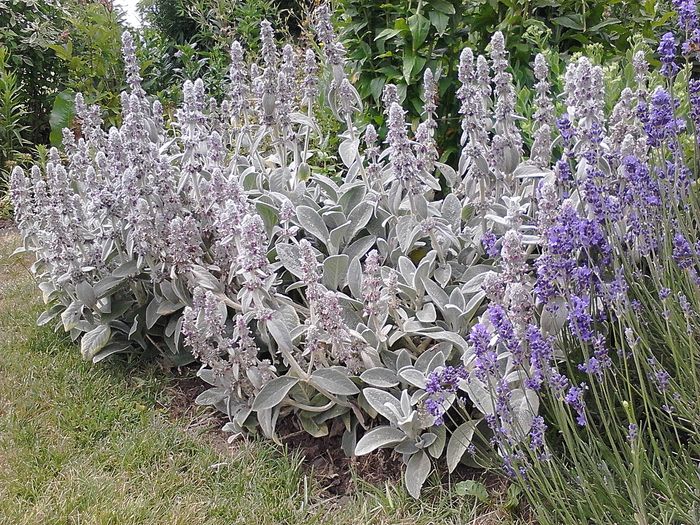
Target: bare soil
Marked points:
322	457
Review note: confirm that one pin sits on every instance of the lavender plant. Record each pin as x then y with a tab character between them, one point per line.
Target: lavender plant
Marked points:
403	303
604	313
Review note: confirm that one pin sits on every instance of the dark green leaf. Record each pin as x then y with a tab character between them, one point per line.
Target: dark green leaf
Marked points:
61	116
419	26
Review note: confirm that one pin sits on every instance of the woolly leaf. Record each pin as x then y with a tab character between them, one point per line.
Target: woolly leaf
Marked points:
273	393
334	381
311	221
94	341
460	440
417	472
378	438
379	377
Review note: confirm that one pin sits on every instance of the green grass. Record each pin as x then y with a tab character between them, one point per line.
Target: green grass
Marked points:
5	205
96	444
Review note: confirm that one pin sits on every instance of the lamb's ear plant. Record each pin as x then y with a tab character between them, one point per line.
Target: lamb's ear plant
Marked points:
395	303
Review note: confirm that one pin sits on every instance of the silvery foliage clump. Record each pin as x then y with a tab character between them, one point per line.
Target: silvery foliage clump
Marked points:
340	301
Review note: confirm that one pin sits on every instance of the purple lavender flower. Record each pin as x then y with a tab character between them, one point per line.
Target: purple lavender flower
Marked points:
599	361
632	432
682	251
485	361
435	409
504	328
541	355
566	128
687	15
662	126
580	320
537	442
488	241
574	398
559	384
445	379
659	375
503	408
440	383
667	55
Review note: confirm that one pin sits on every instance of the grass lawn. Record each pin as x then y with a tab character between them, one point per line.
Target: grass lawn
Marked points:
103	444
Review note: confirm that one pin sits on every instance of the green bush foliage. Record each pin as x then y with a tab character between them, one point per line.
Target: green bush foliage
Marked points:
396	41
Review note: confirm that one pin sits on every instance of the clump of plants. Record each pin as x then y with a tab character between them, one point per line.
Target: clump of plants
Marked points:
452	312
12	114
399	43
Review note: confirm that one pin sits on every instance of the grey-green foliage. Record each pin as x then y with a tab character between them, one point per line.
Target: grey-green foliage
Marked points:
213	237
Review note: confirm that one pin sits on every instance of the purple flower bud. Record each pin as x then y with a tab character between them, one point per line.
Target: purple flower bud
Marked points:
537	443
687	15
659	375
485	361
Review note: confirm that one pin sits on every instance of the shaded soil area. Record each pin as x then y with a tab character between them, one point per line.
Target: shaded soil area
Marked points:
323	457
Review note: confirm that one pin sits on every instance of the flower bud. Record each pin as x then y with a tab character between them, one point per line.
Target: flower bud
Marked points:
268	103
303	172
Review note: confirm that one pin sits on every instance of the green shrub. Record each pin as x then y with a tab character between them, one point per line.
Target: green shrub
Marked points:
397	44
12	117
188	40
57	49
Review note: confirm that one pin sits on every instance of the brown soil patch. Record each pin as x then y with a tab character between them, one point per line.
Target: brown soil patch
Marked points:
322	457
337	472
